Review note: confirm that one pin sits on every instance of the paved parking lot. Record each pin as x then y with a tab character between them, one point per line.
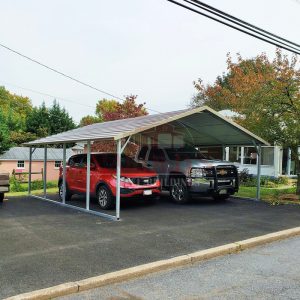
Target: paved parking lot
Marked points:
43	244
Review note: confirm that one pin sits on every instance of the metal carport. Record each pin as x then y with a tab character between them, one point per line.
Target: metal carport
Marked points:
201	126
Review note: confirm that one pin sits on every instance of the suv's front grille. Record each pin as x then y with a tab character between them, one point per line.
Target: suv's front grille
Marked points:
144	180
220	172
226	171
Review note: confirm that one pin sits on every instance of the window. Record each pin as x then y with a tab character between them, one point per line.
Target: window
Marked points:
165	139
250	156
156	154
57	164
180	154
21	164
178	141
109	161
143	152
267	156
235	154
74	161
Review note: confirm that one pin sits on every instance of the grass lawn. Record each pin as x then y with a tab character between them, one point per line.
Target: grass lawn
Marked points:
281	194
36	192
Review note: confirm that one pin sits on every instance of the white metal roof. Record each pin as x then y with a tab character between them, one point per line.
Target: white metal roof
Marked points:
205	126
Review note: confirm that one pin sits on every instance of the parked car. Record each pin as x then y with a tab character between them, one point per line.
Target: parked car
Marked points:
186	172
136	180
4	185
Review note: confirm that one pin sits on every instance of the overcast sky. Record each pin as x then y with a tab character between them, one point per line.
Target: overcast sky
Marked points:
153	49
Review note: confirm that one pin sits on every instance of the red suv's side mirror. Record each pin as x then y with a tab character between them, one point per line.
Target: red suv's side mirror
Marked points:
93	166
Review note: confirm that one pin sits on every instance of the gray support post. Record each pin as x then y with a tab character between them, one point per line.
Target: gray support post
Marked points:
45	171
289	160
30	170
223	152
258	172
88	175
64	174
118	179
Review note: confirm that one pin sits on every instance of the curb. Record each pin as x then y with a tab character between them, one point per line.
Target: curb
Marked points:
48	293
134	272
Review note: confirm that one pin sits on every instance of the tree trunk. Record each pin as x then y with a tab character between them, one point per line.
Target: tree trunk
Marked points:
295	156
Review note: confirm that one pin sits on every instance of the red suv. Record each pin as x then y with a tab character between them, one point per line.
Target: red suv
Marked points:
135	179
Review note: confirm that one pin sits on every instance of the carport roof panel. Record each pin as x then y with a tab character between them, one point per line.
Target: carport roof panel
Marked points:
197	118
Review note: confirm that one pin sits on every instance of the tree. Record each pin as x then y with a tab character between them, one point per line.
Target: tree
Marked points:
38	121
15	109
110	110
4	134
21	137
59	119
45	121
105	106
88	120
265	93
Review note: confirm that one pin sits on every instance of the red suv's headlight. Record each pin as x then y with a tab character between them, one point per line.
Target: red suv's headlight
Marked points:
123	179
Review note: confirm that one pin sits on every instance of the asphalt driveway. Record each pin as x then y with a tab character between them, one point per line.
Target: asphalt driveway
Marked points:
42	244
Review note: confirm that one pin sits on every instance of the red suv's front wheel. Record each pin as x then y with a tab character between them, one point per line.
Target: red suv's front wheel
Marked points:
105	197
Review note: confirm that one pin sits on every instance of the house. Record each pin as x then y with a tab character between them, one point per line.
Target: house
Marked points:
275	160
17	159
78	148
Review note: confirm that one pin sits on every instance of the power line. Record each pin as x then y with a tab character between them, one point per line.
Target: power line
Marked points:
242	23
67	76
59	72
48	95
277	44
64	99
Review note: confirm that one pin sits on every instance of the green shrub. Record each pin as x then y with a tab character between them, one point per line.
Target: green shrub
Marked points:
16	186
39	185
265	181
244	176
283	180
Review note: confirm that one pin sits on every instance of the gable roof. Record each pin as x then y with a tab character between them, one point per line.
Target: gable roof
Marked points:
22	153
207	125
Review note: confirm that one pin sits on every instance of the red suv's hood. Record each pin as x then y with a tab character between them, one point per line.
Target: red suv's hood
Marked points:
137	172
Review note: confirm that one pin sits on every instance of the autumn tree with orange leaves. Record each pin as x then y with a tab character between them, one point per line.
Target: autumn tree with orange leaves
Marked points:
265	93
110	110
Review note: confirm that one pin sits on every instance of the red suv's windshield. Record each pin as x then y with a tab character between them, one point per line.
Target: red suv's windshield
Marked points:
109	161
184	153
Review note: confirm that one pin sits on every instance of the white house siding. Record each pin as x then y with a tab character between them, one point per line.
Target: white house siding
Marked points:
274	169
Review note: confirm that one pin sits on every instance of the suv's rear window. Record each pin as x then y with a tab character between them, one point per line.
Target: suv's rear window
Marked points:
110	161
75	161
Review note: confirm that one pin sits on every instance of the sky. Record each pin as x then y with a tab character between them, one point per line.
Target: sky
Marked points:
153	49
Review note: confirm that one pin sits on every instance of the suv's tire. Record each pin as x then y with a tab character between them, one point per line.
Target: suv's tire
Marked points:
105	198
1	197
68	195
178	190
